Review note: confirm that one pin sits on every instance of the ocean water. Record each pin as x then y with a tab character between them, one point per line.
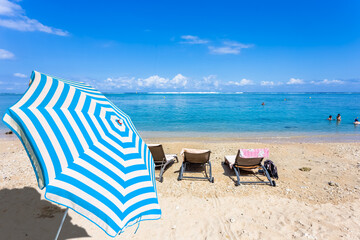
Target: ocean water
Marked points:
234	114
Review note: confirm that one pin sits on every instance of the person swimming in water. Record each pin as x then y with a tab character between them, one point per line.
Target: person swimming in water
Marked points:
330	118
338	117
356	121
263	104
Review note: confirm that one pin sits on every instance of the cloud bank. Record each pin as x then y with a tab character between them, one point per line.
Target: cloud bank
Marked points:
207	83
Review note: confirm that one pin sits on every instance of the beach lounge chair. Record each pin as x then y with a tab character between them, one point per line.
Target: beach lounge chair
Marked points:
160	159
249	160
196	157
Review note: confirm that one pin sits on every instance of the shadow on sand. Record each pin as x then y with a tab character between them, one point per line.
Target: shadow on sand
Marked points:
23	215
248	175
194	172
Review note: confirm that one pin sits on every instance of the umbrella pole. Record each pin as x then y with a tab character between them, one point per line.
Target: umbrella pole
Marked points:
61	224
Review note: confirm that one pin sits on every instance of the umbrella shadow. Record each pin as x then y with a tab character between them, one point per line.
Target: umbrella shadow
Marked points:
23	215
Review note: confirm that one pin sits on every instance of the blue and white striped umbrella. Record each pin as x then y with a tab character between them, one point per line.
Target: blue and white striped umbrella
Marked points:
86	152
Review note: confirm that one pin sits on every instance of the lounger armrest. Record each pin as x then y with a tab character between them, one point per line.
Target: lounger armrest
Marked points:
230	160
170	157
153	145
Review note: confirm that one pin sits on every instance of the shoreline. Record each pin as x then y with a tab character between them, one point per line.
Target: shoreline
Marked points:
252	137
161	136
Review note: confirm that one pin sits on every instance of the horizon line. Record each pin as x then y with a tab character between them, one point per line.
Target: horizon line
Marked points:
212	92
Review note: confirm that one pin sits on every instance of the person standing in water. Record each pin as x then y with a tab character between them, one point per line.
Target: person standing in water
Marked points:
330	118
338	117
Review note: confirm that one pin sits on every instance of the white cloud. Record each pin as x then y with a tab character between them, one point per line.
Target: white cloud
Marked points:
155	81
13	17
209	79
226	47
8	8
267	83
189	39
132	83
26	24
207	83
4	54
120	82
229	47
179	81
112	84
242	82
20	75
326	81
270	83
293	81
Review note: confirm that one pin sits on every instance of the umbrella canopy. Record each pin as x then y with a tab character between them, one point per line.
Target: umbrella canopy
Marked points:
86	152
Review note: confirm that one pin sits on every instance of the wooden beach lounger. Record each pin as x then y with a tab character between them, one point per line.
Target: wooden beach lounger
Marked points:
196	157
249	160
160	159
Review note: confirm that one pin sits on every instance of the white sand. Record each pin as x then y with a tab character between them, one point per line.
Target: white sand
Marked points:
302	206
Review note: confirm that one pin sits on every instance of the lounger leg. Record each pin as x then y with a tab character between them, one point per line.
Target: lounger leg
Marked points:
267	175
181	171
237	172
204	166
162	172
211	177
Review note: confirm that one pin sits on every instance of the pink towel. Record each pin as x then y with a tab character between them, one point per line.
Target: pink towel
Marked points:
254	153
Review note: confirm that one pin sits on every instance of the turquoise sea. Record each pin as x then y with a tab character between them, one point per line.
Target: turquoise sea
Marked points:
240	114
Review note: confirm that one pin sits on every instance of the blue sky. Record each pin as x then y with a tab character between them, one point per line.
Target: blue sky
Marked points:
230	46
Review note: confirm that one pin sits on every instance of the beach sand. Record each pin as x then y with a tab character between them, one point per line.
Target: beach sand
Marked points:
302	206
